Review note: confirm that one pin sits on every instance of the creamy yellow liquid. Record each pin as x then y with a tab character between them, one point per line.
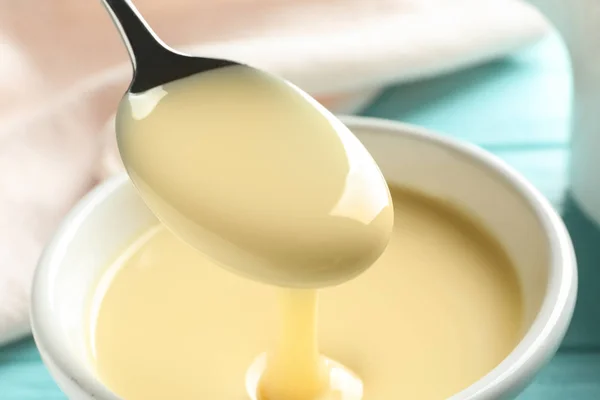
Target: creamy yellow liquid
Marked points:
294	369
258	176
436	312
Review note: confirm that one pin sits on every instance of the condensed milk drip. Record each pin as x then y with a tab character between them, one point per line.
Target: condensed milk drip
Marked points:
294	369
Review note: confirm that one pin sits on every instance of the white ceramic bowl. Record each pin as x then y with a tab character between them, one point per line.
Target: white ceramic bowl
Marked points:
515	212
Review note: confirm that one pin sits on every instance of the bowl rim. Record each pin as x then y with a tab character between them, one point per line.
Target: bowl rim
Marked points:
536	347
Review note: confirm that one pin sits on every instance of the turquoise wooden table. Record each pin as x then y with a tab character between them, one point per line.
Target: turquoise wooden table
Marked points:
516	108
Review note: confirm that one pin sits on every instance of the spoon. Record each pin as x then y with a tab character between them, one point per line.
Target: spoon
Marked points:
246	167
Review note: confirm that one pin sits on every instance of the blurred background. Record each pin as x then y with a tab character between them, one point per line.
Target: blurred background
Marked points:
492	72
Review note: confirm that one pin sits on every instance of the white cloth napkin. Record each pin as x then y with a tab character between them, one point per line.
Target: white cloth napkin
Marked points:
62	74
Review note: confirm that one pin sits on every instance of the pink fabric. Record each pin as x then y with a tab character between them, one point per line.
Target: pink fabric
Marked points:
63	69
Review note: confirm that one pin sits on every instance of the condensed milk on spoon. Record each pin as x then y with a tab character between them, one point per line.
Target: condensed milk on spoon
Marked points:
258	176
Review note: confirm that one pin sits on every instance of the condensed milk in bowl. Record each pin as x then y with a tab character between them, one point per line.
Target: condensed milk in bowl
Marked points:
470	298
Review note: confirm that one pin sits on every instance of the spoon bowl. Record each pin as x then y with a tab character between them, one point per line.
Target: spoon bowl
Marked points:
196	135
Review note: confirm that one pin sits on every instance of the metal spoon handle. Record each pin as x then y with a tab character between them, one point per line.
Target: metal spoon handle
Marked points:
154	63
142	43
